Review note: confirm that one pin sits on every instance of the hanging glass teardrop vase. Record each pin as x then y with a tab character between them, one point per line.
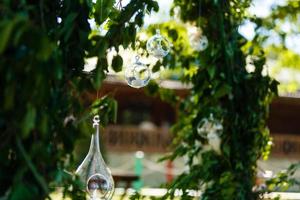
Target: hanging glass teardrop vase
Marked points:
93	171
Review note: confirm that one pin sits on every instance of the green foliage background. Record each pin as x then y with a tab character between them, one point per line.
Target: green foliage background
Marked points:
221	86
43	47
278	52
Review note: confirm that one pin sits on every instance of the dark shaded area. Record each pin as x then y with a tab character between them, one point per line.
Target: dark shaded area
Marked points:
285	115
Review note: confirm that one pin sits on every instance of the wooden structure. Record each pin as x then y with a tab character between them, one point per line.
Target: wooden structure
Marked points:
141	105
132	138
127	135
284	124
128	179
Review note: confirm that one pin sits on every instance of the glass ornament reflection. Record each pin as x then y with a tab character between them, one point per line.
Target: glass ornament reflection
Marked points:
93	171
198	41
209	128
158	46
138	74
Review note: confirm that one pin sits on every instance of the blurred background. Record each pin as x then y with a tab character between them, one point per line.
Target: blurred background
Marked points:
55	55
142	136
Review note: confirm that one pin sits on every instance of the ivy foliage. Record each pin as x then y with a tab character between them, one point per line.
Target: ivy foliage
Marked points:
223	87
43	47
284	180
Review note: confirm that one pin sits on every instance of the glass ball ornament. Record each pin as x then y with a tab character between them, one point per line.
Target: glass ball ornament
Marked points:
198	41
158	46
209	128
93	172
138	74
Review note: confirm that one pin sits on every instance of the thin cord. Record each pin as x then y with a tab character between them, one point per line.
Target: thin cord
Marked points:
119	5
101	5
267	69
198	21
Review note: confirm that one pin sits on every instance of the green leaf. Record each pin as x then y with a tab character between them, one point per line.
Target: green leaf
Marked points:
156	67
28	121
20	192
102	10
117	63
173	34
99	73
22	27
102	46
9	97
152	88
45	49
226	150
153	5
139	19
222	91
107	107
211	71
98	78
43	125
68	25
6	27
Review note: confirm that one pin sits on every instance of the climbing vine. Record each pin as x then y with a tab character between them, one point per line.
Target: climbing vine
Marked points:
226	168
43	47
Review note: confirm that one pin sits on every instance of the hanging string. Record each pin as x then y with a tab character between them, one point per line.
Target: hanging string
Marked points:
199	16
96	118
119	5
96	115
101	5
267	69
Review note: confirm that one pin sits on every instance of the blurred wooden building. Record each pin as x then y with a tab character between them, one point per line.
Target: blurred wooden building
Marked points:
143	121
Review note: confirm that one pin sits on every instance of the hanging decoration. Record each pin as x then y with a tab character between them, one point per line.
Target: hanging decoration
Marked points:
198	41
138	74
119	5
158	45
93	171
209	128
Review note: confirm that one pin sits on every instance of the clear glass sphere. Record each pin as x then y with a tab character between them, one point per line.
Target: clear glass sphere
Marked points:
138	74
198	41
99	187
204	127
209	128
158	46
